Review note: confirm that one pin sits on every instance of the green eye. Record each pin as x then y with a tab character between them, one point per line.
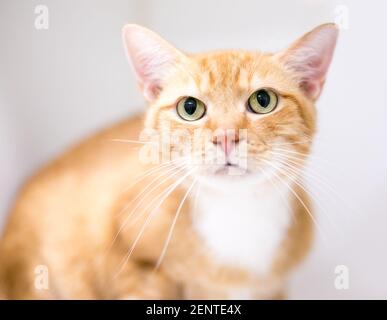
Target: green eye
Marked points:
190	109
263	101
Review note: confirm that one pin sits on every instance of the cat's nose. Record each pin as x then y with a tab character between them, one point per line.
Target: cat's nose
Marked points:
226	141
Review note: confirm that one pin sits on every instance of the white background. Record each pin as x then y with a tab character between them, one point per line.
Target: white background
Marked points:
61	84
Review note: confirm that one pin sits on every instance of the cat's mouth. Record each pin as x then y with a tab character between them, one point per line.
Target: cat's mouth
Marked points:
230	169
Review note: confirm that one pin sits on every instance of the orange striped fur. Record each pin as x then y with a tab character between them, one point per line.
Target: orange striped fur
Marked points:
72	215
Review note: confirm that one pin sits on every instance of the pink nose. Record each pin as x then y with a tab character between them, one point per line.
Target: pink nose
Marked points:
227	141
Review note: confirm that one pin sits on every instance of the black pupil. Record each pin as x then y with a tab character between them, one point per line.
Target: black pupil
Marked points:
263	98
190	106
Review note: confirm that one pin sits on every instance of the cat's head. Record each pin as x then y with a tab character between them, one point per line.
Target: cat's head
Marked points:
242	114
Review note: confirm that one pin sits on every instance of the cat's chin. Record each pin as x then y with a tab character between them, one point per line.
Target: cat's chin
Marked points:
222	180
226	176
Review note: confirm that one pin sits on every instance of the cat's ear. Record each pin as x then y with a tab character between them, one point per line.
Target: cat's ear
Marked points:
151	56
310	56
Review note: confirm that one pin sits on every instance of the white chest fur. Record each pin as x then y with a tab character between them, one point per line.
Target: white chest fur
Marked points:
243	230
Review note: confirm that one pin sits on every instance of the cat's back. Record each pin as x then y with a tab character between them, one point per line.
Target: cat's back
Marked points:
64	207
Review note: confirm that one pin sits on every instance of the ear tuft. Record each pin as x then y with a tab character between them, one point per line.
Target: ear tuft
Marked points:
310	56
152	58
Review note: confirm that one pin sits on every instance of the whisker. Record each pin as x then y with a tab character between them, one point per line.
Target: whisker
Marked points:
313	174
181	166
132	141
298	172
133	211
197	197
278	190
161	174
135	219
290	143
321	181
150	216
298	162
150	171
301	155
297	196
173	226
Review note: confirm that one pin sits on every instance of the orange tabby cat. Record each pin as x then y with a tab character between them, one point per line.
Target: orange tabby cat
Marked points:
207	203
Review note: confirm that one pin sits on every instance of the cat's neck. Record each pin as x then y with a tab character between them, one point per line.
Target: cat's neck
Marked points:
245	228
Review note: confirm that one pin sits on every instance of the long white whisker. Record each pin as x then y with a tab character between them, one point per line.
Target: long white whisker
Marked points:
291	143
173	225
297	171
196	198
297	162
151	171
182	168
297	196
182	165
321	182
132	141
300	155
278	190
314	175
148	219
132	212
162	174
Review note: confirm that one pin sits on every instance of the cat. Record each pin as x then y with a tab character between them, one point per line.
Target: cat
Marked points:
225	217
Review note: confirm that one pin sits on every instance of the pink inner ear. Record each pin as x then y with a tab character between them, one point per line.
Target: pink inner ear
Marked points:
310	58
151	57
146	61
310	88
312	74
151	91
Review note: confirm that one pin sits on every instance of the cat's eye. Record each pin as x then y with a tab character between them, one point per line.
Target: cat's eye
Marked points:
262	101
190	109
